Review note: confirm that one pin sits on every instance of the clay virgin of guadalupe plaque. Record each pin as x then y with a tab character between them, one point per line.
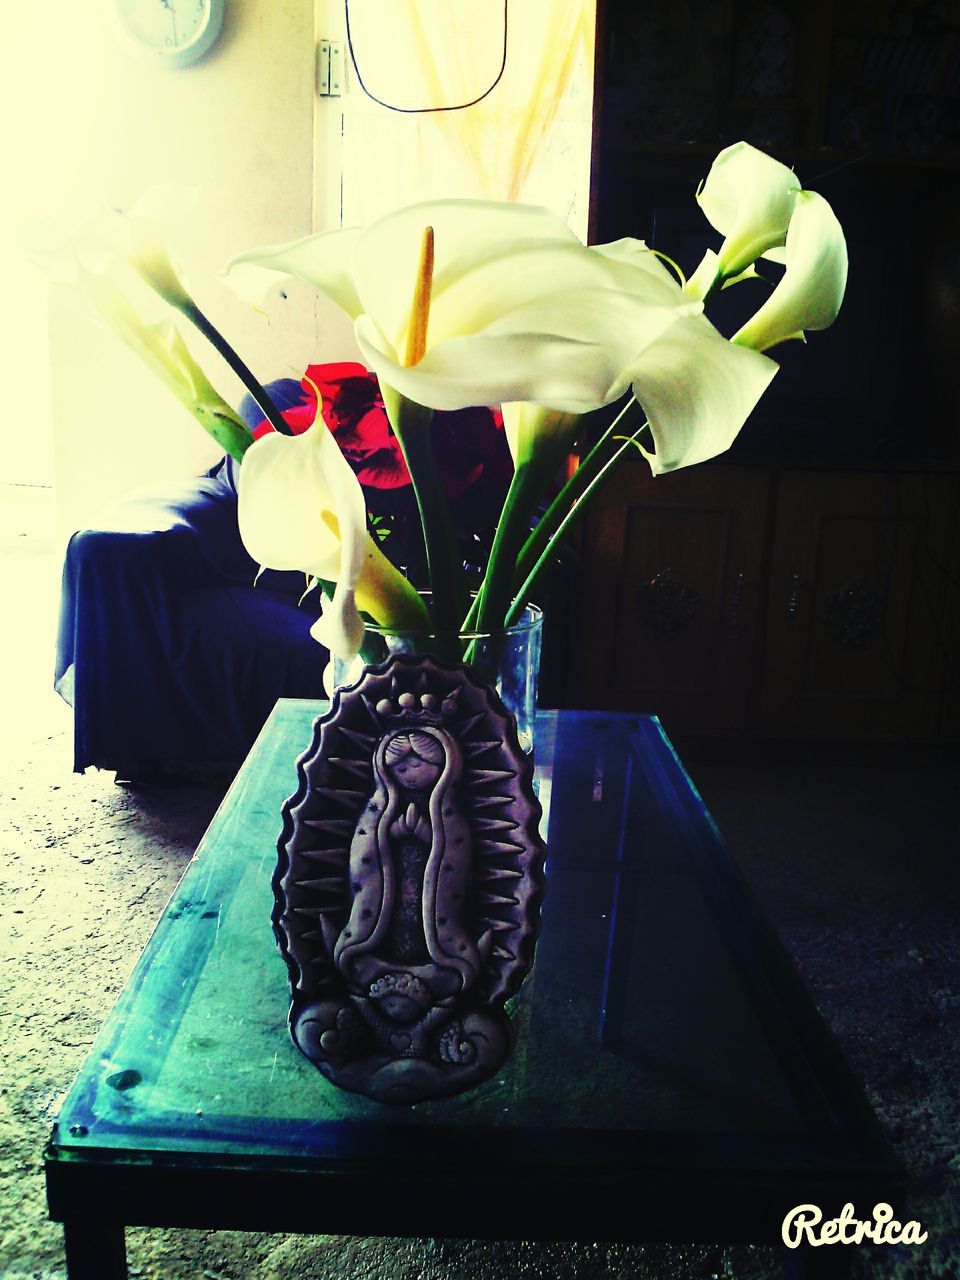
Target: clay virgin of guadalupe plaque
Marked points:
409	883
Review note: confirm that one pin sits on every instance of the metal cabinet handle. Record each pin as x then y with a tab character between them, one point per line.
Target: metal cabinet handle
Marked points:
735	611
793	600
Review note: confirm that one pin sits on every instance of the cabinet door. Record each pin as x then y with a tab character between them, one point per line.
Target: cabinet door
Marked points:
858	591
669	595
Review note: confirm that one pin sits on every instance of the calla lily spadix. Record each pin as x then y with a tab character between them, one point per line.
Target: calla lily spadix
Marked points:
520	310
749	198
301	507
811	290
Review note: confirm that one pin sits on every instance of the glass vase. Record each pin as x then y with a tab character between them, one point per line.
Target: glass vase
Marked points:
507	658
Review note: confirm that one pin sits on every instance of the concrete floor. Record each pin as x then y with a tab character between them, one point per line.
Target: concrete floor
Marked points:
856	863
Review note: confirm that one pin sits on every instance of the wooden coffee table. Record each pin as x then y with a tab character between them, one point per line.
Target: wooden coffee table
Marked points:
672	1080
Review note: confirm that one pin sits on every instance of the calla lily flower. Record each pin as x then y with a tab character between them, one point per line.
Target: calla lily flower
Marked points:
161	346
141	239
811	290
302	508
129	249
697	390
749	198
695	387
532	430
102	242
519	309
702	281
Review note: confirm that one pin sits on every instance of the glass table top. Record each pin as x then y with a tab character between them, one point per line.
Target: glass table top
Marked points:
660	1016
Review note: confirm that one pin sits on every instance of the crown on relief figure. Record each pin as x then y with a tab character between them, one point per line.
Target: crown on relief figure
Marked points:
418	708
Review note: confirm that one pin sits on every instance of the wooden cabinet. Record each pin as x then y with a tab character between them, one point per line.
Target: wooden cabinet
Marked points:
671	594
800	602
808	585
858	591
855	77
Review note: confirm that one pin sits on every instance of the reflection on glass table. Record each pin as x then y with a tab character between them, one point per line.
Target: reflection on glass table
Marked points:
672	1079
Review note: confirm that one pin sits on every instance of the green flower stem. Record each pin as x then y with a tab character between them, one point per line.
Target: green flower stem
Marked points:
232	437
448	582
601	473
216	338
570	495
470	621
525	488
531	476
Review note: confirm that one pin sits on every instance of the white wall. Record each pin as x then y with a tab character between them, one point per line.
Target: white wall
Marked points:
239	126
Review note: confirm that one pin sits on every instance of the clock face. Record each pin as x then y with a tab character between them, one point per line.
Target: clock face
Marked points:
174	32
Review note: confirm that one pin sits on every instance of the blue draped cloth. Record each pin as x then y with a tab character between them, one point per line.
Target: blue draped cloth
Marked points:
166	649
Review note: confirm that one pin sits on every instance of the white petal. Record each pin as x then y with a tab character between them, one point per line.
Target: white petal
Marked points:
530	427
513	415
748	197
563	352
285	506
148	224
301	507
655	275
467	235
158	342
812	288
98	241
698	285
340	627
697	391
325	260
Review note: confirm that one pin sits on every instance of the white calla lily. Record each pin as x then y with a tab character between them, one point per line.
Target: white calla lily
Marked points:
519	309
697	390
699	284
128	251
100	242
326	255
532	430
749	198
695	387
702	281
161	346
141	239
812	288
302	508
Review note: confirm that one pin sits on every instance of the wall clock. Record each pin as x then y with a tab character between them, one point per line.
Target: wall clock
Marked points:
173	33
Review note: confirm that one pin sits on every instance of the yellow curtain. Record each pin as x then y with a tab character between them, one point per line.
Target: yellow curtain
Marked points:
527	139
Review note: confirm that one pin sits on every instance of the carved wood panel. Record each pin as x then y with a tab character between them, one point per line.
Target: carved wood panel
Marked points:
857	598
671	595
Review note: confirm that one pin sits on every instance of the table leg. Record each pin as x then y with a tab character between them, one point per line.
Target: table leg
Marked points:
620	938
95	1250
826	1262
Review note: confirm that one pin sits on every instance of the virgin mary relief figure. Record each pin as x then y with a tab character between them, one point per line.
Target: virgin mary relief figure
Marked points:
402	960
410	864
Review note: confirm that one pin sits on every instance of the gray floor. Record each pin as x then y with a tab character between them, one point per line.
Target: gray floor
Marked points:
856	863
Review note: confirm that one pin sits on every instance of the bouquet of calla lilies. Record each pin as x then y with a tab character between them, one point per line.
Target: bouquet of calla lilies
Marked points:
465	303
